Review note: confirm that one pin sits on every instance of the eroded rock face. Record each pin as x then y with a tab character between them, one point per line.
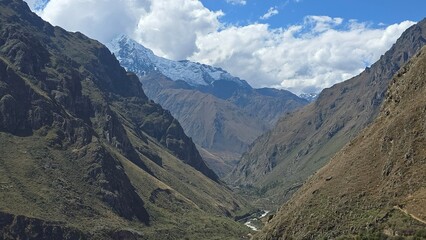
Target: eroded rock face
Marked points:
114	187
8	112
21	227
160	124
66	124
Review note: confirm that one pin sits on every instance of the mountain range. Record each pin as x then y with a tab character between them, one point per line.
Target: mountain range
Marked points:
116	143
221	113
280	161
86	155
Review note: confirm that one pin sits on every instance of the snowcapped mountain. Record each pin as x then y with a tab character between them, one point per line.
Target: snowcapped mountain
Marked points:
309	96
140	60
221	113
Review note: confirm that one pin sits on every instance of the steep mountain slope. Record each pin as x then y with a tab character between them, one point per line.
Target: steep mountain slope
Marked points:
376	185
304	141
85	154
221	113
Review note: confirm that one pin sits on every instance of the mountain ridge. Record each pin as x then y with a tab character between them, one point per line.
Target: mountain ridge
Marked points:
236	114
195	74
375	186
86	154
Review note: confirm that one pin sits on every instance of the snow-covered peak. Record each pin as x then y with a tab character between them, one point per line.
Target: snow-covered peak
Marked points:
123	40
309	96
136	58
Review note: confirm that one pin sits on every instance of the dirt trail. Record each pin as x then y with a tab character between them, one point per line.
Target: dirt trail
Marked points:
409	214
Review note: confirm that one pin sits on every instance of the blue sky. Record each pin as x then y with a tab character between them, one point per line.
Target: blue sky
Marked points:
292	12
299	45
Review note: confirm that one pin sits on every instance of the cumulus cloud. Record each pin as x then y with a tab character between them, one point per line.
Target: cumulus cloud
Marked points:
321	23
100	19
302	58
171	28
271	12
237	2
307	57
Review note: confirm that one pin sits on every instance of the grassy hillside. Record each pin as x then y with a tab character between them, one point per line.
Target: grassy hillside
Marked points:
375	186
85	154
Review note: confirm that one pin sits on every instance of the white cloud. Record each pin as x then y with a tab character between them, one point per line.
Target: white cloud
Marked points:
171	28
322	23
100	19
307	57
301	58
271	12
237	2
31	3
37	5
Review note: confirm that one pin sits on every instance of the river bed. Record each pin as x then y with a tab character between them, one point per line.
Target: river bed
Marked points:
255	223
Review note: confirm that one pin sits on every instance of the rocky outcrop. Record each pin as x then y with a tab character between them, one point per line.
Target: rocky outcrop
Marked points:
158	123
25	109
21	227
114	187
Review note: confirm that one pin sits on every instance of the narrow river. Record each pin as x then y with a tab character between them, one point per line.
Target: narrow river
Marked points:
251	222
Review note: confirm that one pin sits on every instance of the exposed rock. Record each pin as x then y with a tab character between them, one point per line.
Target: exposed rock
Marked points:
21	227
114	186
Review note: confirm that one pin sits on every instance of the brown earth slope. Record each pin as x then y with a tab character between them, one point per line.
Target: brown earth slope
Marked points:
222	128
376	185
278	162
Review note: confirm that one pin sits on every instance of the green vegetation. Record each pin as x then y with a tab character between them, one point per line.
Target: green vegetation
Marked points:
374	188
85	154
